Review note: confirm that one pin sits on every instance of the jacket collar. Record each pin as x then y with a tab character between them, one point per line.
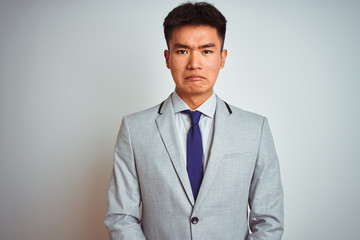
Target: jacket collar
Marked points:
166	126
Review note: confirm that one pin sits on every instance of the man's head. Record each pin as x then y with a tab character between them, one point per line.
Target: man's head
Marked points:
200	13
195	37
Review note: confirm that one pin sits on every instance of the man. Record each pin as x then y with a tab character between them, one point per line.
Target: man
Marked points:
195	163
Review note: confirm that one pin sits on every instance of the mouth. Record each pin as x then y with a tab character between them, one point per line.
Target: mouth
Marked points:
194	77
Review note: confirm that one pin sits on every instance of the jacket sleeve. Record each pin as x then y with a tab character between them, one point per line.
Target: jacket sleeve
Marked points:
266	219
123	216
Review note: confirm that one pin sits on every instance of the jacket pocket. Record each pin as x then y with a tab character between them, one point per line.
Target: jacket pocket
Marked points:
238	155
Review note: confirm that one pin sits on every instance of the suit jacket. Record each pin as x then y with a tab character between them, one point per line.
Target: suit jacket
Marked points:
242	174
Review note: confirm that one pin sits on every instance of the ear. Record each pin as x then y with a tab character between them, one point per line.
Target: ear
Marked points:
223	58
167	56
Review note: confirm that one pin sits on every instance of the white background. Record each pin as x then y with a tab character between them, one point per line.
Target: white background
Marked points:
70	70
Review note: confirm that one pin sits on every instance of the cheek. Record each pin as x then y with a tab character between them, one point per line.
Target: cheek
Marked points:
177	65
176	71
214	66
173	63
213	63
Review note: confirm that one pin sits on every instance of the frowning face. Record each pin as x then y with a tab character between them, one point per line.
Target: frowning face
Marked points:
195	59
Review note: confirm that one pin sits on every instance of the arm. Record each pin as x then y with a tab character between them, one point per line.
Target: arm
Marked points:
266	195
124	198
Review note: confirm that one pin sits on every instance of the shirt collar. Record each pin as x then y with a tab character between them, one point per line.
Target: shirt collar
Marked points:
207	108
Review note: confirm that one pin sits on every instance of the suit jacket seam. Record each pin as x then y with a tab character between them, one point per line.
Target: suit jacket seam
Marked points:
257	156
260	140
132	148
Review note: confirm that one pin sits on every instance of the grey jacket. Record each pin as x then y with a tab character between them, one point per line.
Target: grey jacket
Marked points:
242	174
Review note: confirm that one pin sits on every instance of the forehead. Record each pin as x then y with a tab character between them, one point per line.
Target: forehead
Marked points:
195	35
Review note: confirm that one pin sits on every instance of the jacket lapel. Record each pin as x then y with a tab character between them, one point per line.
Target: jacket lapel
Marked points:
218	148
166	126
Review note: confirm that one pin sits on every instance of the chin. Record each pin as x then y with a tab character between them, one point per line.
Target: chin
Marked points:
194	90
198	92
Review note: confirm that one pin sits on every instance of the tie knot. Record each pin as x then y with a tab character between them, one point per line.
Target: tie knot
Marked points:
194	115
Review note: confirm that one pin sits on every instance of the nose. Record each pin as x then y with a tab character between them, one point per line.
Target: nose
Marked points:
194	61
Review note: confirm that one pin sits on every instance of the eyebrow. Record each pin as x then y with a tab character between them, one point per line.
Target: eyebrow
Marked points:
209	45
180	45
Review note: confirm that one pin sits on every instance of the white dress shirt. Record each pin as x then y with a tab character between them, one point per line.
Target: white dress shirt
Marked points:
206	123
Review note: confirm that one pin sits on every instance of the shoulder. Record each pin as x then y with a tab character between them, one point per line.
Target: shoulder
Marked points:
247	120
152	113
237	113
144	115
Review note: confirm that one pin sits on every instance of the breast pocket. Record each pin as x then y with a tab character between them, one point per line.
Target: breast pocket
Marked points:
238	167
238	155
234	175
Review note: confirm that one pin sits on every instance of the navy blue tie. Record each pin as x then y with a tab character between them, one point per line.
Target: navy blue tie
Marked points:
194	153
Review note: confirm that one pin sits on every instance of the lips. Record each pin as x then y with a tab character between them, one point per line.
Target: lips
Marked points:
194	77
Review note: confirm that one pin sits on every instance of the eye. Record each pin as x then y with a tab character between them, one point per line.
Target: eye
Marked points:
182	51
207	51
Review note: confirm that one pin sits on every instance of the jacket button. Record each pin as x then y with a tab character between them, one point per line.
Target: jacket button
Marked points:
194	220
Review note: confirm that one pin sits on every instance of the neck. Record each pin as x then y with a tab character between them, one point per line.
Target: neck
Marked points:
194	101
